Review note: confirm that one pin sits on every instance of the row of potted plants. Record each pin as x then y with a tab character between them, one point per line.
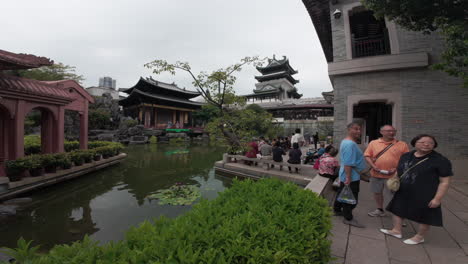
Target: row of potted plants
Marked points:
39	163
32	145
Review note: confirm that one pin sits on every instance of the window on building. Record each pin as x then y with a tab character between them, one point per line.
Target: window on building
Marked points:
369	36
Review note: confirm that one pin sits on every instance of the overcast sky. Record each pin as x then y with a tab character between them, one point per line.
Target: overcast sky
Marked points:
116	38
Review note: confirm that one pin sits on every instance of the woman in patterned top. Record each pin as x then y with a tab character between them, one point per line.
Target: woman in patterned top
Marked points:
328	164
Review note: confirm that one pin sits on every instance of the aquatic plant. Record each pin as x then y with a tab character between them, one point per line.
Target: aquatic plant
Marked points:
178	194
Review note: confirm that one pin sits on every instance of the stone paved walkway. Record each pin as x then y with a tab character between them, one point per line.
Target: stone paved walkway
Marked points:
447	245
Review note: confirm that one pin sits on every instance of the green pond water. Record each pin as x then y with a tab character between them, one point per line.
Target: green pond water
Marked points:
106	203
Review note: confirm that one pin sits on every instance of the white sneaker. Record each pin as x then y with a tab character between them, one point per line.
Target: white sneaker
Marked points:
376	212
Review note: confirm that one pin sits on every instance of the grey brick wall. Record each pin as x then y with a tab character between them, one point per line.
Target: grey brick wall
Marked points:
432	103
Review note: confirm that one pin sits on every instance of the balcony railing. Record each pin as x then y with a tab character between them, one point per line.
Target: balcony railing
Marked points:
370	46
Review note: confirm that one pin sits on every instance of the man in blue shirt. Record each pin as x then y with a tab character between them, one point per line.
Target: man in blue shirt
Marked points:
352	161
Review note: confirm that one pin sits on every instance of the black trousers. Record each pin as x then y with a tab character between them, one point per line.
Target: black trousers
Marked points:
347	209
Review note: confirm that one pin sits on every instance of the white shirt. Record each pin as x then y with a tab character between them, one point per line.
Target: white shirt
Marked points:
297	138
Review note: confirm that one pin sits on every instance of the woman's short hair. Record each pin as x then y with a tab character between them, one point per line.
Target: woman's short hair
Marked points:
331	150
418	137
295	145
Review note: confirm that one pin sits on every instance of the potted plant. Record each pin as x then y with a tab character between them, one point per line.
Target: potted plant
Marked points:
63	161
50	163
35	165
15	169
77	158
87	155
96	155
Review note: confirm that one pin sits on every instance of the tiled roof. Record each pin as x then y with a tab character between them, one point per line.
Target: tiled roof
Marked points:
14	61
32	87
162	97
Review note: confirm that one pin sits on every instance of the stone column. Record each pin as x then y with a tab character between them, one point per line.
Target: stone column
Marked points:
18	130
48	135
84	127
59	132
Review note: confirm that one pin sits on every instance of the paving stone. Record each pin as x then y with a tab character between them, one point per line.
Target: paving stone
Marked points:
340	233
363	250
439	237
456	227
447	255
406	253
394	261
337	260
465	248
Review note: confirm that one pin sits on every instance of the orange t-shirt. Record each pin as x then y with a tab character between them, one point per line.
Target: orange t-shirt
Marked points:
388	160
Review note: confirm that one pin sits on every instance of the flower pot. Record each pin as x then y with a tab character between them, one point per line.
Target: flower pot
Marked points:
36	172
67	166
78	163
105	156
88	160
50	169
97	158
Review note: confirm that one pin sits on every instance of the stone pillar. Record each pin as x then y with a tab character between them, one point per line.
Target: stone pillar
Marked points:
174	117
18	130
155	117
147	118
48	135
84	127
59	130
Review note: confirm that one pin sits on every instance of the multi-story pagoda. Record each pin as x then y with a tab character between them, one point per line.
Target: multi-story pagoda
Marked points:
160	105
276	82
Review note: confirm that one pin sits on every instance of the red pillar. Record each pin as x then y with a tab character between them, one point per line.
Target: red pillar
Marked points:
3	146
59	130
18	130
47	132
84	127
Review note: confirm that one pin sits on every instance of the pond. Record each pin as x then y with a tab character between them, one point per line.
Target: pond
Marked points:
106	203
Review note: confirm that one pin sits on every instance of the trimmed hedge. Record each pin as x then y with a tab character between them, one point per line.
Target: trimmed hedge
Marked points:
32	144
268	221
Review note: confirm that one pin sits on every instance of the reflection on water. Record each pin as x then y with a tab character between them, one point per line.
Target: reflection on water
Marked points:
106	203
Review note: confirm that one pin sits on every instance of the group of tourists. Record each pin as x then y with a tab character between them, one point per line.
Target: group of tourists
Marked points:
278	147
421	177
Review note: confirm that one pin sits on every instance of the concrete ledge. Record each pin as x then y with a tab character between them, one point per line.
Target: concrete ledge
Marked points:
379	63
317	184
31	183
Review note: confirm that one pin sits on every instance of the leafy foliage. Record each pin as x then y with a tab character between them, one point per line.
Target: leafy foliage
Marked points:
268	221
178	194
99	119
55	72
448	17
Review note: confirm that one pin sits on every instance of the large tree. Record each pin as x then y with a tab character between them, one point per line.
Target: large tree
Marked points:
448	17
55	72
229	120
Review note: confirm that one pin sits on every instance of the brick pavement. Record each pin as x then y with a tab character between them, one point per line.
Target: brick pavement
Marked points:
444	245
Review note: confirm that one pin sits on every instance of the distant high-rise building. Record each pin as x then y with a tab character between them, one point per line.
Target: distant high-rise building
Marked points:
107	82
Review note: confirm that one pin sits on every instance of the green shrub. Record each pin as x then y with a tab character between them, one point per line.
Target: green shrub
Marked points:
76	157
16	167
96	144
50	160
252	222
71	145
32	144
34	161
130	122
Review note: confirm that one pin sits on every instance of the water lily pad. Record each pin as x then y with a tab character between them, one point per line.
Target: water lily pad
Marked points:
177	195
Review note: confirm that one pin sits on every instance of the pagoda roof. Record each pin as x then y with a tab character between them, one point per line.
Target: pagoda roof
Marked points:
275	65
319	12
152	86
276	75
33	87
137	95
19	61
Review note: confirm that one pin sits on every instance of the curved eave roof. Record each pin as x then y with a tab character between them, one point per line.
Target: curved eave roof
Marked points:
17	61
319	11
261	93
276	65
136	93
274	76
156	85
33	87
309	106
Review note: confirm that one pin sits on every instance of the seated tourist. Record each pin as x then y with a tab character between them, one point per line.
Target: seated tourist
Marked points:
321	150
295	156
266	150
278	153
328	164
252	152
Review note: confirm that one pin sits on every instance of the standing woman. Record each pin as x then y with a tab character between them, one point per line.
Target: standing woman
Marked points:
423	182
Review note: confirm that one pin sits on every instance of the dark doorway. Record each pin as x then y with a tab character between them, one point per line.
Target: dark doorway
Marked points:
376	115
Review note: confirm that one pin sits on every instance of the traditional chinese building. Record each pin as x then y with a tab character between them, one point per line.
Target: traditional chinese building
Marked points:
160	105
276	82
19	96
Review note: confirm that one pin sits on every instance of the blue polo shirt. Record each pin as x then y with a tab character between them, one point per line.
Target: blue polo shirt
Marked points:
351	155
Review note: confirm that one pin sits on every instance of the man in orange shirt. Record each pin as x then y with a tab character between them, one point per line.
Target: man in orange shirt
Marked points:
383	155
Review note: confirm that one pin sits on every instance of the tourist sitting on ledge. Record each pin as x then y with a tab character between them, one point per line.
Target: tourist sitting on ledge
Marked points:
295	156
251	152
278	153
266	150
328	164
